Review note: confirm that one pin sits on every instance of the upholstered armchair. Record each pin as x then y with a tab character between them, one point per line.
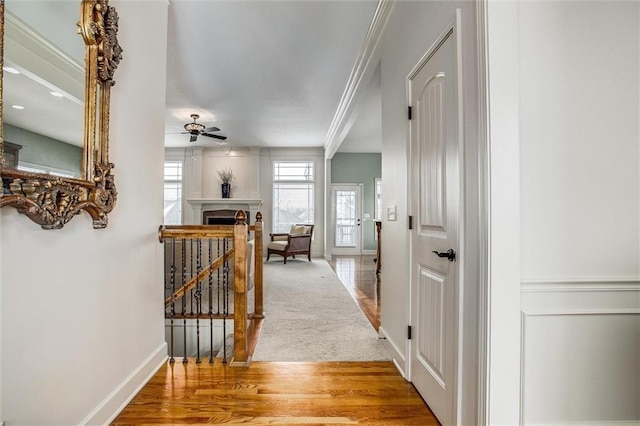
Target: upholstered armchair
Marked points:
297	241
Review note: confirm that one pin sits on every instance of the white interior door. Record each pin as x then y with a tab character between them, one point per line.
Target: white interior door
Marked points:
347	219
434	205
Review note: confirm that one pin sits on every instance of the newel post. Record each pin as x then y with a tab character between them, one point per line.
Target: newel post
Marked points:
257	274
240	350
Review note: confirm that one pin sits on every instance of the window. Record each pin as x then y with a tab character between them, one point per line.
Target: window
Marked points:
172	192
293	194
36	168
378	206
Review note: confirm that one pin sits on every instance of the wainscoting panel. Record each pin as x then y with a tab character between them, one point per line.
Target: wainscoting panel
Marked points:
580	352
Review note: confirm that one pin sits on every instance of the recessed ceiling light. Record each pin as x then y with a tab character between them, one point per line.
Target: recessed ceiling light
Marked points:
17	106
11	70
57	94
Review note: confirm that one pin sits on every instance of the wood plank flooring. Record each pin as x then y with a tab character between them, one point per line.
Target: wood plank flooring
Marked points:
371	393
358	275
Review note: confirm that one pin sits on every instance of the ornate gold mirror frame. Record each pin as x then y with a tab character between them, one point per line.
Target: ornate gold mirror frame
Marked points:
51	201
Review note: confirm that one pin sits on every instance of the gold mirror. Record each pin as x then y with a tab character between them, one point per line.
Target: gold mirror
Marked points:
34	63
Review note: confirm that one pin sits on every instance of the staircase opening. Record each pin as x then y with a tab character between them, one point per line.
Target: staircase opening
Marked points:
213	289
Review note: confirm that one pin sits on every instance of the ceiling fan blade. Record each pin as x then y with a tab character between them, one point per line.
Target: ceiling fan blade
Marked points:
211	135
211	129
193	138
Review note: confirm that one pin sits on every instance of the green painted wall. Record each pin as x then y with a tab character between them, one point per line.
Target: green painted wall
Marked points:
360	168
44	151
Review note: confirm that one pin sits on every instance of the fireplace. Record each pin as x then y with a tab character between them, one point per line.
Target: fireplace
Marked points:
202	208
222	217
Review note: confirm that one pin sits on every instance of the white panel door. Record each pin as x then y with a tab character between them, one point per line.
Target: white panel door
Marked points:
347	211
434	205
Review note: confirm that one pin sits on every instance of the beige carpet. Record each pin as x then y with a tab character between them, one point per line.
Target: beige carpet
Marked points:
310	316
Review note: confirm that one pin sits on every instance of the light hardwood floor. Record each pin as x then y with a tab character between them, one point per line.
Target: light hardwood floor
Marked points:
365	393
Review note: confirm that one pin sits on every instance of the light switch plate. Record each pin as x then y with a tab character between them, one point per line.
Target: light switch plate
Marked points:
391	213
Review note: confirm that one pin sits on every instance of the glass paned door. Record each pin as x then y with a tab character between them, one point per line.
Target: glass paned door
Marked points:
347	219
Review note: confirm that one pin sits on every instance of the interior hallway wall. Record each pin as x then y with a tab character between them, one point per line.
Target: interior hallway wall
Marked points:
44	151
580	210
81	317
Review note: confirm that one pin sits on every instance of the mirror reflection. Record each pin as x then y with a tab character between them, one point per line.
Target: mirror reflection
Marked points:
43	87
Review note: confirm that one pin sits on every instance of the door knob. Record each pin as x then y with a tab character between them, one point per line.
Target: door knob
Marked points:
449	254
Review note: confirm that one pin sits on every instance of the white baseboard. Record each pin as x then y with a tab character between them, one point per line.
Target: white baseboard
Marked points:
117	400
396	354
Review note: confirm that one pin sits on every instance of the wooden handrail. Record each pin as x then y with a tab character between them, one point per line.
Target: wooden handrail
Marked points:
240	233
201	276
194	231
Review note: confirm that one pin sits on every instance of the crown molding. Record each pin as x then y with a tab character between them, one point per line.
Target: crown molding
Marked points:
364	66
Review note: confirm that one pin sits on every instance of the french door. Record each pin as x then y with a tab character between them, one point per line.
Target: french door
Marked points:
346	203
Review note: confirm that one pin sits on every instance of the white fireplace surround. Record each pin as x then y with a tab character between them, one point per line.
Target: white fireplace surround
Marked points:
253	205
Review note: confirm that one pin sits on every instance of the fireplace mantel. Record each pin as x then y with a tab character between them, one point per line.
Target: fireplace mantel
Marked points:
253	205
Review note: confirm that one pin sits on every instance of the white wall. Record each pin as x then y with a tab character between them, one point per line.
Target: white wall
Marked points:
580	210
503	215
80	317
411	30
201	181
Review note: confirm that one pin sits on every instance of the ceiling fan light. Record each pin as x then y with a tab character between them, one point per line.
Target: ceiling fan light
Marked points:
191	127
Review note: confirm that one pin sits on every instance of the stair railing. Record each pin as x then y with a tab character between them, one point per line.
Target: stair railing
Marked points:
198	285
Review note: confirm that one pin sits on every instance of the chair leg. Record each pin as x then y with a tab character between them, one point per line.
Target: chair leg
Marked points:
268	254
309	257
285	259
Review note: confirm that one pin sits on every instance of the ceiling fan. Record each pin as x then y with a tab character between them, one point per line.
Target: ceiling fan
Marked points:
195	129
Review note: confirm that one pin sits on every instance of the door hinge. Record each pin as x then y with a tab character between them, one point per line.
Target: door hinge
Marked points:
410	222
409	332
409	112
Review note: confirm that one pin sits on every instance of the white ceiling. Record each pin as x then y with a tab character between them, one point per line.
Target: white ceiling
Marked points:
267	73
